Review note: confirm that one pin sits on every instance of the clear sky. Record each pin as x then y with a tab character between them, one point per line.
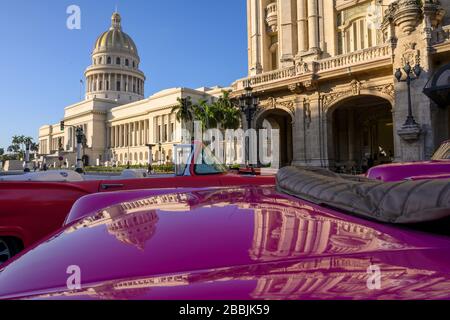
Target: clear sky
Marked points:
181	43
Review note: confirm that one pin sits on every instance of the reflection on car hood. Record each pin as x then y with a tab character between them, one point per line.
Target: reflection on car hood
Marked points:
239	243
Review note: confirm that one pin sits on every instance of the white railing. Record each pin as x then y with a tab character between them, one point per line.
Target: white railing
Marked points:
354	58
317	67
267	77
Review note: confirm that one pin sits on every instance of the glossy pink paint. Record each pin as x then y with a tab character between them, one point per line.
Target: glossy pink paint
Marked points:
233	243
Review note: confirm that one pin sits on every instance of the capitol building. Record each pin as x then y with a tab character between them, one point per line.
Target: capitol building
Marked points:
116	118
329	74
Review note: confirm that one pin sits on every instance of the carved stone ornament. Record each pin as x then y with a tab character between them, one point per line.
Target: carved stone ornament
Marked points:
410	133
410	54
355	90
407	15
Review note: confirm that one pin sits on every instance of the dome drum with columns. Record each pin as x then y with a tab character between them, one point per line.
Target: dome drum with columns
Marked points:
114	73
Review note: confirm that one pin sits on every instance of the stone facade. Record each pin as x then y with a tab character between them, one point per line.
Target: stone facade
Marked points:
117	120
324	72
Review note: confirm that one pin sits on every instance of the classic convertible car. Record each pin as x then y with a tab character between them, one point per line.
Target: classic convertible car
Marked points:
36	204
437	168
245	242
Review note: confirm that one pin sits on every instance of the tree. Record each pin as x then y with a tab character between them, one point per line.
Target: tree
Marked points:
207	114
229	115
18	145
184	111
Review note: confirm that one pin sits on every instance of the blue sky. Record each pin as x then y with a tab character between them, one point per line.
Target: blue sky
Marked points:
181	44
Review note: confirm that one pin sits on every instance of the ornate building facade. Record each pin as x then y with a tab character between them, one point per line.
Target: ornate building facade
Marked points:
117	119
324	72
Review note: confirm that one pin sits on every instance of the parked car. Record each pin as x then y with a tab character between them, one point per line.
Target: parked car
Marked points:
36	204
437	168
238	243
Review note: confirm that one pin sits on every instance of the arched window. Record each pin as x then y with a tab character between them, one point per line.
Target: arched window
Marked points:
134	64
108	61
127	62
117	60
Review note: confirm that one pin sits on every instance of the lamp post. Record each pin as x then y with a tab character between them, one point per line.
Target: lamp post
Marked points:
411	74
248	103
150	157
80	137
160	153
128	158
27	156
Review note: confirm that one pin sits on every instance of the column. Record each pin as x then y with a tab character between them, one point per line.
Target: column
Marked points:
146	132
116	133
302	26
140	133
254	20
122	142
286	33
313	25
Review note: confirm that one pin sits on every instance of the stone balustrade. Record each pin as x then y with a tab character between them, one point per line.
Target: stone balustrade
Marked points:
317	67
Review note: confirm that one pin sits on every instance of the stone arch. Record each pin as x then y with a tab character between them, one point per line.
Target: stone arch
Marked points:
282	119
360	131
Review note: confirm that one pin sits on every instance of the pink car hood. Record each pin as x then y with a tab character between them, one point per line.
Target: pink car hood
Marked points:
238	243
407	170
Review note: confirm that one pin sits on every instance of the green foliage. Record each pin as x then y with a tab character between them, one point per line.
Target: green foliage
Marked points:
119	169
222	114
17	148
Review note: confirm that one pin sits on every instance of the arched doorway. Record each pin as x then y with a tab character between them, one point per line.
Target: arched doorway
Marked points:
361	135
279	119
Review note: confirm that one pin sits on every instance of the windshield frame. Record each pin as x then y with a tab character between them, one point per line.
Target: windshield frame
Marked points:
443	150
205	153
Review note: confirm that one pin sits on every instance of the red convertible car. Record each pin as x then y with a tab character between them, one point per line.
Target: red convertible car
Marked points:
36	204
246	242
437	168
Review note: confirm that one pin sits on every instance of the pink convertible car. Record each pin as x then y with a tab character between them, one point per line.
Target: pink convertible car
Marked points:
247	242
437	168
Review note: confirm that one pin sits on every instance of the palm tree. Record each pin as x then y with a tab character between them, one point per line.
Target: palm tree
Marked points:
230	114
207	114
184	111
18	145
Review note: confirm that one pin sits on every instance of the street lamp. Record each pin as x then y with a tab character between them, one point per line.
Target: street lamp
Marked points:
128	158
27	156
160	153
411	74
248	103
150	157
80	138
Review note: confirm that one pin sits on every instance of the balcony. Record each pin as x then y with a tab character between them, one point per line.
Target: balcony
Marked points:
328	68
272	17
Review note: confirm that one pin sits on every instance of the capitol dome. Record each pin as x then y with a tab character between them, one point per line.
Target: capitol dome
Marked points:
114	73
115	38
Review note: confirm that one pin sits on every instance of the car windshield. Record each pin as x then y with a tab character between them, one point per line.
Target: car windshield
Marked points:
443	153
208	164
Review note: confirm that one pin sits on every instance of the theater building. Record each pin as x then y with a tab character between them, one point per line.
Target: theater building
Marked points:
325	75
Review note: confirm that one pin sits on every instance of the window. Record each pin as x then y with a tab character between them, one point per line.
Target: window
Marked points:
134	64
100	60
108	61
355	32
117	60
118	86
127	62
